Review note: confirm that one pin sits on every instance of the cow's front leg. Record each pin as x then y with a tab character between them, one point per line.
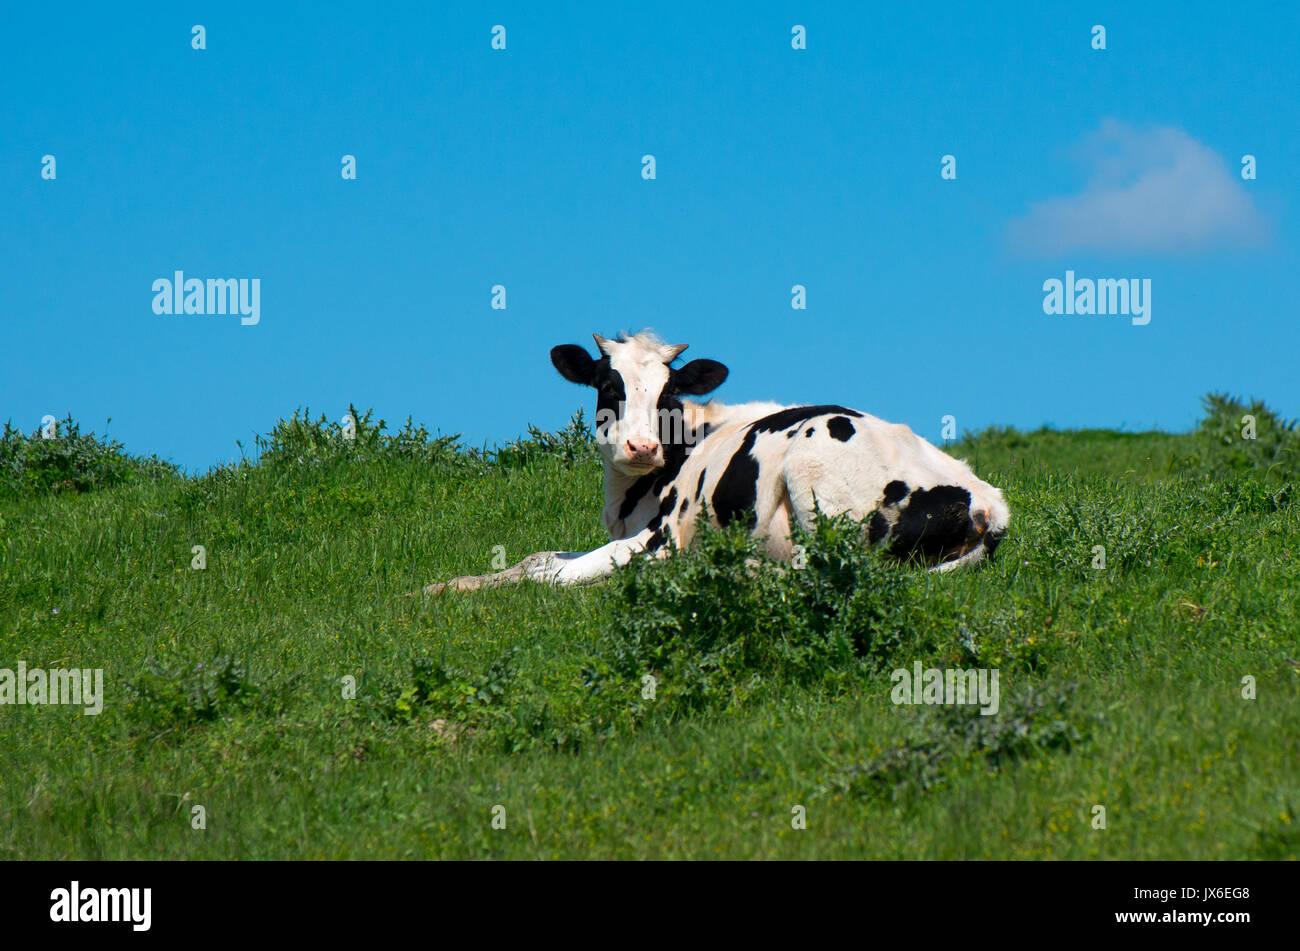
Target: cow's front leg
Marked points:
536	567
572	567
555	567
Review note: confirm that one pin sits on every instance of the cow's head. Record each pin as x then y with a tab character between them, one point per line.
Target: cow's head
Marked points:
638	415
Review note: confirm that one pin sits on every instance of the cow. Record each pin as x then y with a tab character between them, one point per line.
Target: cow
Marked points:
668	458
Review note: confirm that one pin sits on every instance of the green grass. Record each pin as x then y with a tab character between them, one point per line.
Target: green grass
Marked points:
1121	687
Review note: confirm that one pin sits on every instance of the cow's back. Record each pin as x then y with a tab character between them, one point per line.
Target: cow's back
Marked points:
788	463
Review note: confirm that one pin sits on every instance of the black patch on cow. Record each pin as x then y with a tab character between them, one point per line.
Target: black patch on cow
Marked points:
699	486
792	417
991	540
674	458
610	395
878	527
840	428
895	492
657	541
934	523
791	434
811	430
682	511
737	490
672	437
665	508
635	494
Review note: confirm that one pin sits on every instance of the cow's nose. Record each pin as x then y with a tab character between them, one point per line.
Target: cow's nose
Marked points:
639	448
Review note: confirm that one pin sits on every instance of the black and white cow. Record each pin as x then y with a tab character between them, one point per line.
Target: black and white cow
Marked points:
667	458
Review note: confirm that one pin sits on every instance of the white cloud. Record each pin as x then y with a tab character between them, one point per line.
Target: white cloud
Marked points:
1154	189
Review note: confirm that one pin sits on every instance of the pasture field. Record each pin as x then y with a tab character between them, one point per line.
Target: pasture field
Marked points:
1121	686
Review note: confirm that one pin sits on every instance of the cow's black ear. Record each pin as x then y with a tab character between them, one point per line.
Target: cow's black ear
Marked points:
574	363
699	377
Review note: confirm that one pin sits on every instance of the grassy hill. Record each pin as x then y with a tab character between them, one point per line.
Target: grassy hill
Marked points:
225	687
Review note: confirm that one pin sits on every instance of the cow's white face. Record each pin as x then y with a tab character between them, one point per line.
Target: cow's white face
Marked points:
638	416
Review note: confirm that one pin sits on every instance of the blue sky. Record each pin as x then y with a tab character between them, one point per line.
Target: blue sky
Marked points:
522	167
